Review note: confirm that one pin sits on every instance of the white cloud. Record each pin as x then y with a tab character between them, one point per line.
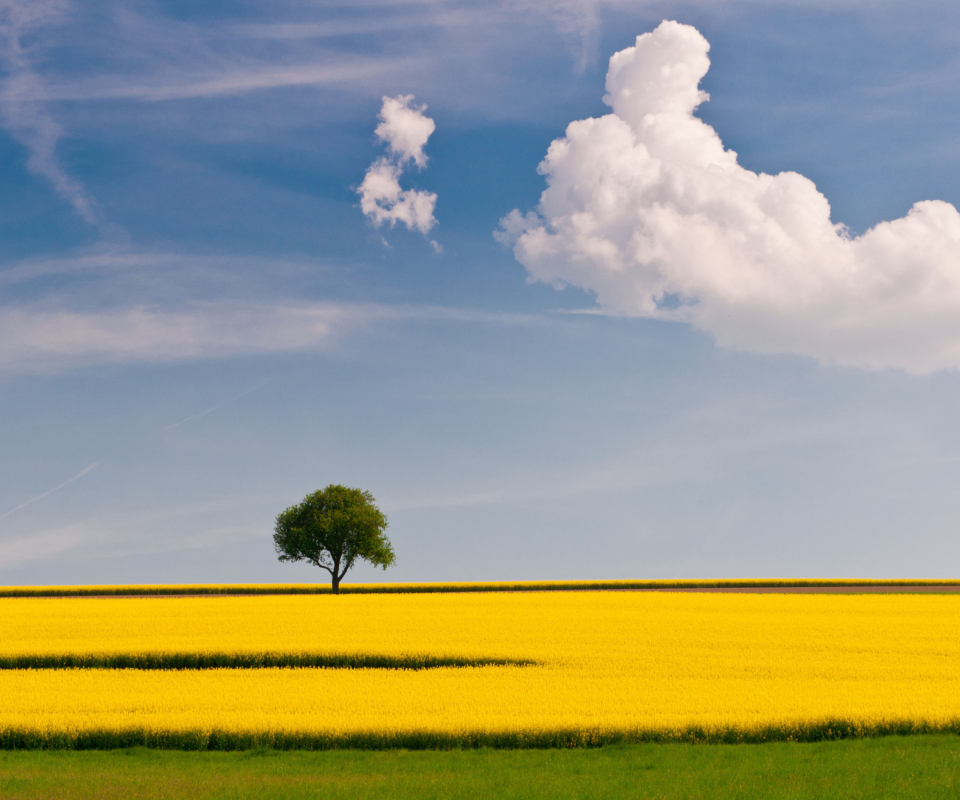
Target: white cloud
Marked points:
646	209
405	130
382	199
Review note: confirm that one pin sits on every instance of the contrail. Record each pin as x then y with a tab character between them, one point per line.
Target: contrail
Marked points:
216	407
87	469
76	477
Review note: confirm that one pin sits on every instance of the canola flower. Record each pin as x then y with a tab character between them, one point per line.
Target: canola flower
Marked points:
602	667
472	586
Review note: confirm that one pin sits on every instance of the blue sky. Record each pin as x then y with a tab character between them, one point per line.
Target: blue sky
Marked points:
200	325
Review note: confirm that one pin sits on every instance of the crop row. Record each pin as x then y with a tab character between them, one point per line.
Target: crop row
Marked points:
247	660
173	590
198	739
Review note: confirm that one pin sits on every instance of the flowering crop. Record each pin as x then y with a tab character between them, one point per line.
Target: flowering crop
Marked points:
484	586
575	668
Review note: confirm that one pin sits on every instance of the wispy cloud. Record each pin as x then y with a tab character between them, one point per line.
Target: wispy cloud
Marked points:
22	109
232	82
113	261
428	16
108	535
38	340
675	457
14	552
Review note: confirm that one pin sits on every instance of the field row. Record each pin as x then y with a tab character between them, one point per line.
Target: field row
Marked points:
601	667
175	590
173	660
465	707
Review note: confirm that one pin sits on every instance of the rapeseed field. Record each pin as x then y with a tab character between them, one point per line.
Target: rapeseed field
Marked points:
174	589
467	669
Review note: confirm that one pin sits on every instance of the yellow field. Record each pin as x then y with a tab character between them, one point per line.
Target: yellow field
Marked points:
171	589
609	666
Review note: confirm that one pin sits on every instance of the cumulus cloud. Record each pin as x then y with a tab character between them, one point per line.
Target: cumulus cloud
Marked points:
405	130
646	209
382	199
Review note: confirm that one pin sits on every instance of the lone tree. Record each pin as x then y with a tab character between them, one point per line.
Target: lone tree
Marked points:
331	529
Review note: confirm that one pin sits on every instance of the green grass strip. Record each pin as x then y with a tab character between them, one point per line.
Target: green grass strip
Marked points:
173	590
106	739
163	661
906	768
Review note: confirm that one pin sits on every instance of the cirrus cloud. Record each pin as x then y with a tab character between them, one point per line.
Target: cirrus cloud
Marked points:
22	111
37	340
647	210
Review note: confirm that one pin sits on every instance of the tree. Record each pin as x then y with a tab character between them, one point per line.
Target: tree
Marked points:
331	529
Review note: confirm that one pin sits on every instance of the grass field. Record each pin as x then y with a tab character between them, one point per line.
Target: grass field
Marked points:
922	767
577	669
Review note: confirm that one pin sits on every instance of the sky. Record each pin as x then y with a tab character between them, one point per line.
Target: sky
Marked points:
575	289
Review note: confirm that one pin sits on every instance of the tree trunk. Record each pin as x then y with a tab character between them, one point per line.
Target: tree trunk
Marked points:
335	575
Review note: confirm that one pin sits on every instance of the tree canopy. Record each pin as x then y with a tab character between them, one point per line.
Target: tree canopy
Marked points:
332	528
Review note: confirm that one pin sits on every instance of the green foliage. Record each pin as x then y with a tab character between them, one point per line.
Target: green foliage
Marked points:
331	529
913	768
208	660
13	738
175	590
